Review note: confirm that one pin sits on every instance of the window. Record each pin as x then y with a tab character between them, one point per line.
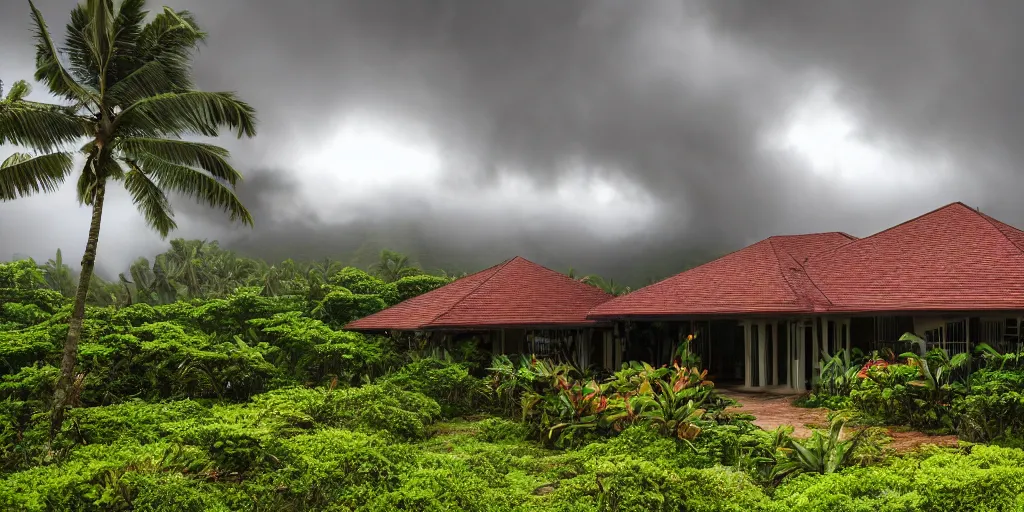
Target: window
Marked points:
992	331
1011	332
956	337
957	331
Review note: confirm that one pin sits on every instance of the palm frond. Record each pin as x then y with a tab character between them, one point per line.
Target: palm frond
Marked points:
22	175
40	127
81	59
128	24
189	112
102	36
170	38
208	157
49	69
196	185
148	80
150	201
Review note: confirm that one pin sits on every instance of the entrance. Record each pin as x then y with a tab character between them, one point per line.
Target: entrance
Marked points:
775	353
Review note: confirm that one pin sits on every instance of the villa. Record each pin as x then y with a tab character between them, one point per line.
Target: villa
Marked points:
768	313
764	316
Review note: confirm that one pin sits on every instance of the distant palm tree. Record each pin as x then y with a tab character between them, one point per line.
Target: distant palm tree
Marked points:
58	276
393	266
127	93
608	286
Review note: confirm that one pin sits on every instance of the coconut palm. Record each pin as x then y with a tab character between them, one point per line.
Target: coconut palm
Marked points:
58	276
125	91
608	286
393	266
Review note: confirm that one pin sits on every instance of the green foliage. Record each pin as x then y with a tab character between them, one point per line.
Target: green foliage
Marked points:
411	286
21	275
370	409
838	374
340	307
447	382
358	281
496	430
822	453
564	407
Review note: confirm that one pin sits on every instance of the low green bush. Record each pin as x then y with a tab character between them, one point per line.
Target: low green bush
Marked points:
449	383
498	430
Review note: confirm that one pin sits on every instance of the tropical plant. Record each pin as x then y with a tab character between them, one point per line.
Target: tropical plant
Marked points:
608	286
58	276
127	93
393	266
822	453
674	405
838	374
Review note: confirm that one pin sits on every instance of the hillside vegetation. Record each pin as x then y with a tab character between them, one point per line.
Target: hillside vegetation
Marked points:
252	401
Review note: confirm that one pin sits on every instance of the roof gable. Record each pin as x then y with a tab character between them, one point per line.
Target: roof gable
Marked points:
517	292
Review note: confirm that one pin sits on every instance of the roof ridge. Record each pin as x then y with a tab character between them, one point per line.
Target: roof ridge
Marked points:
497	268
891	228
992	221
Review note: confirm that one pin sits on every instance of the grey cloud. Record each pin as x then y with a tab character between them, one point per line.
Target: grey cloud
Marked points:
675	97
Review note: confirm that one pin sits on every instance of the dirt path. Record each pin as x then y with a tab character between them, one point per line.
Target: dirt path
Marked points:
770	411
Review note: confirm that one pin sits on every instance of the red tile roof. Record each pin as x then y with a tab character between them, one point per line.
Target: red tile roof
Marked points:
766	277
951	259
516	293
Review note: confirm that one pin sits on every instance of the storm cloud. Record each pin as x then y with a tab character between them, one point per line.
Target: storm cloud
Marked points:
625	138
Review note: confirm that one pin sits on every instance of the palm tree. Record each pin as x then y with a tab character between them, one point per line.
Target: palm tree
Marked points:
393	266
185	261
609	286
58	276
126	91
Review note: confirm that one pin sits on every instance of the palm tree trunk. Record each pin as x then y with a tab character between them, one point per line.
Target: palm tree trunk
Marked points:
67	365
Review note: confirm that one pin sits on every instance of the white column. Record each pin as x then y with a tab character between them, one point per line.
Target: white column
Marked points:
746	351
775	353
762	356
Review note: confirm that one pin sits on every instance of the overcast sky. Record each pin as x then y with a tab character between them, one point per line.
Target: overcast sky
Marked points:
608	135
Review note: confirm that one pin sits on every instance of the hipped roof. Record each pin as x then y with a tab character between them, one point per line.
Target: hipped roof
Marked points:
954	258
515	293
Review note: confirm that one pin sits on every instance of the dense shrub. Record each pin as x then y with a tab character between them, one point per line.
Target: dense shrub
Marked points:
411	286
449	383
342	306
497	430
340	468
370	408
358	281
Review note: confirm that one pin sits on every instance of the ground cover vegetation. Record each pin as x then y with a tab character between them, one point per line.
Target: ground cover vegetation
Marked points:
255	401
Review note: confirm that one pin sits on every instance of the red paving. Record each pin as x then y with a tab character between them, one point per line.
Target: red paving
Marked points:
771	411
